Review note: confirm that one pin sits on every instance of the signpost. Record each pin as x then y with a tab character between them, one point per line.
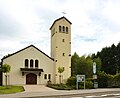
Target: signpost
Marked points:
94	67
80	78
94	75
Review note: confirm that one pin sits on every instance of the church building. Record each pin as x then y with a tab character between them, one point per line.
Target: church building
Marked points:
32	66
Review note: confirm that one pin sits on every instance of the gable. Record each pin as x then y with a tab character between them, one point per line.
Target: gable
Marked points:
58	20
31	46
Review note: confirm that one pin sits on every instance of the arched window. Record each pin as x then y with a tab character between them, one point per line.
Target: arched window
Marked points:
63	29
45	76
31	63
49	76
26	63
59	28
36	63
66	29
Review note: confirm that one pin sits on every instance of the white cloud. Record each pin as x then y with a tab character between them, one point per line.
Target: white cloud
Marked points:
95	23
111	11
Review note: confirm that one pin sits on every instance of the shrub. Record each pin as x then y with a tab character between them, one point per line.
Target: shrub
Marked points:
72	83
107	80
88	84
59	86
114	81
102	79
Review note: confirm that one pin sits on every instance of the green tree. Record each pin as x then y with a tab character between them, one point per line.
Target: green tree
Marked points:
118	58
110	59
60	70
74	63
89	67
81	65
84	66
6	69
98	63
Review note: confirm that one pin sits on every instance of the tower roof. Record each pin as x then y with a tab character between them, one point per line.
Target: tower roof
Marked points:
58	20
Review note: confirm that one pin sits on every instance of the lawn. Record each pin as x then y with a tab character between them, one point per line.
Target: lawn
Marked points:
11	89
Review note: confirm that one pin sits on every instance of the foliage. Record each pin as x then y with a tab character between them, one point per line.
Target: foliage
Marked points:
102	79
114	80
110	57
11	89
98	64
59	86
60	70
107	80
74	63
5	68
88	84
72	83
84	65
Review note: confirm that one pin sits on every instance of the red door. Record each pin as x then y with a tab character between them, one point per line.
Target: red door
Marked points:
31	78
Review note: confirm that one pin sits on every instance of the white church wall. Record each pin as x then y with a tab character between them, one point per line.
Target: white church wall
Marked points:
17	61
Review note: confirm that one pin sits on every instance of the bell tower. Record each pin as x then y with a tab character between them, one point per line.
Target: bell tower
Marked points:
61	46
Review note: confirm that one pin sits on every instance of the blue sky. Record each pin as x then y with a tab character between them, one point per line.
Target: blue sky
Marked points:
95	24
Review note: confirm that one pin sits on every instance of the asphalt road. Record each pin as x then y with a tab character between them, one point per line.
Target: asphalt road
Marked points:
87	93
99	95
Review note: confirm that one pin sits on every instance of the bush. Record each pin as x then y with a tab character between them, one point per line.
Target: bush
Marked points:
59	86
102	79
88	84
107	80
72	83
114	81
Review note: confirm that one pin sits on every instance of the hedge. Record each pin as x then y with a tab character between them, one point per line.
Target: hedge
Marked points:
72	83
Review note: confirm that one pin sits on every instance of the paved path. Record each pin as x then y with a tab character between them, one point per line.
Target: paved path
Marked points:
37	88
40	91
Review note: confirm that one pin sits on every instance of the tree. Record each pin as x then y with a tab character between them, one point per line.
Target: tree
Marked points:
81	65
110	59
98	64
60	70
74	63
6	69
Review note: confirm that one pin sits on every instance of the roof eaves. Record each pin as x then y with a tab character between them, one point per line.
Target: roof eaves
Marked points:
24	49
58	20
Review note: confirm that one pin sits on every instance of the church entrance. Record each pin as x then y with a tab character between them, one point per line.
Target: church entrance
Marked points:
31	78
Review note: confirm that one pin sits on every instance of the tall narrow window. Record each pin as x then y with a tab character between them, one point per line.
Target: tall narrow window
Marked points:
59	28
31	63
66	29
49	76
63	54
36	63
63	40
63	29
45	76
26	63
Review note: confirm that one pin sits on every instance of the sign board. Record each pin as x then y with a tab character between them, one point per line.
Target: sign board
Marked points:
94	67
94	76
95	84
80	78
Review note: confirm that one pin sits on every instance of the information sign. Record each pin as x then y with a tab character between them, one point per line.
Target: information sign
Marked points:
94	68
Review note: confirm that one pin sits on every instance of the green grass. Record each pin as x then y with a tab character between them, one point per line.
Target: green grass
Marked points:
11	89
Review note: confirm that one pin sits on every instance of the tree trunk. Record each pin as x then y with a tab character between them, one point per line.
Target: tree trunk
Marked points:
60	78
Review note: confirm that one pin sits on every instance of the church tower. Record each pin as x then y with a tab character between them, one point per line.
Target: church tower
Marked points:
61	46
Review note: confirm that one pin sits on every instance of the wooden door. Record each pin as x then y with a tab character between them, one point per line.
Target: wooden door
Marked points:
31	78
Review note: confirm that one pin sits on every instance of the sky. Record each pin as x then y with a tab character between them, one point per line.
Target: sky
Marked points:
95	24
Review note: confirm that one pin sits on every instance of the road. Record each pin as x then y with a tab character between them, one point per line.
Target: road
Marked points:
99	95
87	93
